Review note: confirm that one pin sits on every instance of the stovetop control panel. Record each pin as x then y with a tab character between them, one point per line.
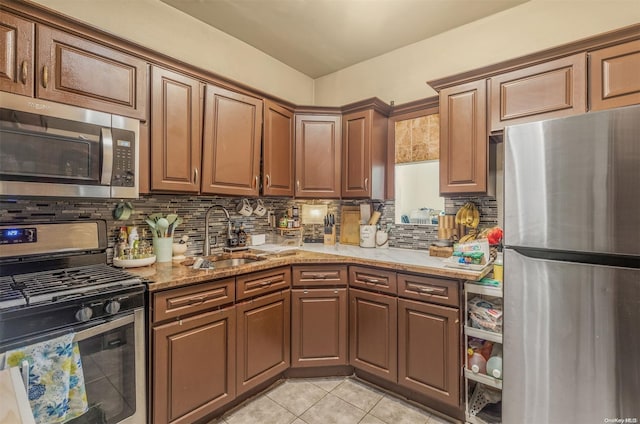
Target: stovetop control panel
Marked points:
18	235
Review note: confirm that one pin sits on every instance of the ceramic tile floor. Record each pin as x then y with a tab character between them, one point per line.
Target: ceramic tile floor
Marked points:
333	400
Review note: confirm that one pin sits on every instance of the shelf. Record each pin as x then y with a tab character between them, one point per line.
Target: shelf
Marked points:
484	290
484	379
483	334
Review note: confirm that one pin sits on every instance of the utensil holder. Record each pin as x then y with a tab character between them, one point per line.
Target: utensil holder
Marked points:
330	239
163	248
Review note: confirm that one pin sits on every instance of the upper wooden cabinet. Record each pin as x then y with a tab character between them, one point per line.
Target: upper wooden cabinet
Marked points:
76	71
231	146
614	76
277	148
318	150
364	154
69	69
16	57
464	140
552	89
176	116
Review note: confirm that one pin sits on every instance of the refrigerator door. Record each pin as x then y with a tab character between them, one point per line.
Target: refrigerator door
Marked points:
573	184
571	342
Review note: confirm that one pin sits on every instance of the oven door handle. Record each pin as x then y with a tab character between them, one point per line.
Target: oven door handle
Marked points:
106	139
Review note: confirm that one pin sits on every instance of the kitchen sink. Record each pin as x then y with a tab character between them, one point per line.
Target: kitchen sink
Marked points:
223	260
225	263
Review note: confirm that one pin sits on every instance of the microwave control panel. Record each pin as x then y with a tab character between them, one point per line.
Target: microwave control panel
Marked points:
123	158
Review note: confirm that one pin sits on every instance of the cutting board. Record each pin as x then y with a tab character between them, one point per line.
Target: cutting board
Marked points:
14	408
350	225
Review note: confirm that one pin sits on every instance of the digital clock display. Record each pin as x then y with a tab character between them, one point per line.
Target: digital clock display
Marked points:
18	235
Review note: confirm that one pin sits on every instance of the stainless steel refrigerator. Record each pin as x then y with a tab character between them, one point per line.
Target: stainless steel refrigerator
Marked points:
572	270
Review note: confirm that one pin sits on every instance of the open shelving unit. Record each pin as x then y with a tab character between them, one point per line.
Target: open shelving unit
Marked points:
471	379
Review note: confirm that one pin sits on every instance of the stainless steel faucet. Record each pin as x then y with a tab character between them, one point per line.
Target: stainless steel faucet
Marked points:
206	251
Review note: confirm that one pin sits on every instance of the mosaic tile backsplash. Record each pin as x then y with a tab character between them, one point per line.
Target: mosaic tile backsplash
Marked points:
193	208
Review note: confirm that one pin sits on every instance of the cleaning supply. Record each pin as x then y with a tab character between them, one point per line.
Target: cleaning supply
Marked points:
494	364
477	363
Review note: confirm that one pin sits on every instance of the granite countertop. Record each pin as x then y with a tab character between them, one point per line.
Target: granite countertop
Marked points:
174	274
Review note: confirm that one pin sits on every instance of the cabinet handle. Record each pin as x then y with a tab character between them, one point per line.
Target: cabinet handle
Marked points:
366	184
268	179
298	185
45	76
255	181
426	289
24	72
371	280
306	292
318	276
195	175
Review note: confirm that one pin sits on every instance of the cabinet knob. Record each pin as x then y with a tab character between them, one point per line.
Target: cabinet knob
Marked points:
45	76
24	72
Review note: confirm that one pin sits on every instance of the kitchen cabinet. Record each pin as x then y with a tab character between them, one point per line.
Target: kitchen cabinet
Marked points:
429	350
176	116
552	89
277	148
373	279
364	154
373	336
69	69
193	351
232	141
464	143
318	151
262	282
319	316
614	76
77	71
17	36
263	339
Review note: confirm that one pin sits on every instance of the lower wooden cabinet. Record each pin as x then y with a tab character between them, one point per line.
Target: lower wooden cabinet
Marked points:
319	322
373	333
193	366
263	339
429	350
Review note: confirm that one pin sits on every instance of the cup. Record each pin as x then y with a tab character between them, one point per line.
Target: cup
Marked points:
260	208
162	247
244	208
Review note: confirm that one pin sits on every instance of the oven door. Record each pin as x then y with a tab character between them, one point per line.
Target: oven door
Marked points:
113	364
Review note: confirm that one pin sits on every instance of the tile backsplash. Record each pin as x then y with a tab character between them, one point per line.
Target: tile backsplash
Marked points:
193	208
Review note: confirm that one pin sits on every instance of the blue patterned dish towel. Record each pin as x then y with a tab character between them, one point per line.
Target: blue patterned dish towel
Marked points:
56	383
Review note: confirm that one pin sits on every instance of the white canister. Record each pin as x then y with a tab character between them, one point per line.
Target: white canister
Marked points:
367	236
382	239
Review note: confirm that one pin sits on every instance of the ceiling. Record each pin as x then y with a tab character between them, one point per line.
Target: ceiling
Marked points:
318	37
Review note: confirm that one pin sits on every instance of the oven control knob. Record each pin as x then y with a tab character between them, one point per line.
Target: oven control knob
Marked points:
112	307
84	314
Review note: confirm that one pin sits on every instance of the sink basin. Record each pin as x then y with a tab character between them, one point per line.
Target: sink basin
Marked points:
225	263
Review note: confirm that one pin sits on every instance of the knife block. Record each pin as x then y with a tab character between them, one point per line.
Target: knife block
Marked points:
330	239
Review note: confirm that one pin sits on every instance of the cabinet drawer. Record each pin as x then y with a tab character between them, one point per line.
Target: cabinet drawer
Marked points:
373	279
319	275
187	300
436	290
259	283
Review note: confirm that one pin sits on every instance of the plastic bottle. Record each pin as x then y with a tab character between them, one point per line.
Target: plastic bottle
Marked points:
498	268
477	363
494	364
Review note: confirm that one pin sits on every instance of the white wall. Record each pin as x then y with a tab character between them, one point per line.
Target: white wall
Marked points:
155	25
417	187
401	75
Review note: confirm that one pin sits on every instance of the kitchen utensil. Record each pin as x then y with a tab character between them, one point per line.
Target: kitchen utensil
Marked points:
173	226
375	217
350	225
152	224
367	235
162	225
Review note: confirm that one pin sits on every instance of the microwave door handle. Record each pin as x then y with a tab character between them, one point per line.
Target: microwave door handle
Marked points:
107	156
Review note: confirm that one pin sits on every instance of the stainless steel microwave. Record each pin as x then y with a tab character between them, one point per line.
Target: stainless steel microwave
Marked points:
52	149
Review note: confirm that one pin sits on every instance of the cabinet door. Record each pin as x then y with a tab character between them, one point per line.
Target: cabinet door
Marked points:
263	339
193	366
176	113
429	350
614	76
373	333
277	150
356	154
231	153
552	89
83	73
464	142
319	324
318	150
16	59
